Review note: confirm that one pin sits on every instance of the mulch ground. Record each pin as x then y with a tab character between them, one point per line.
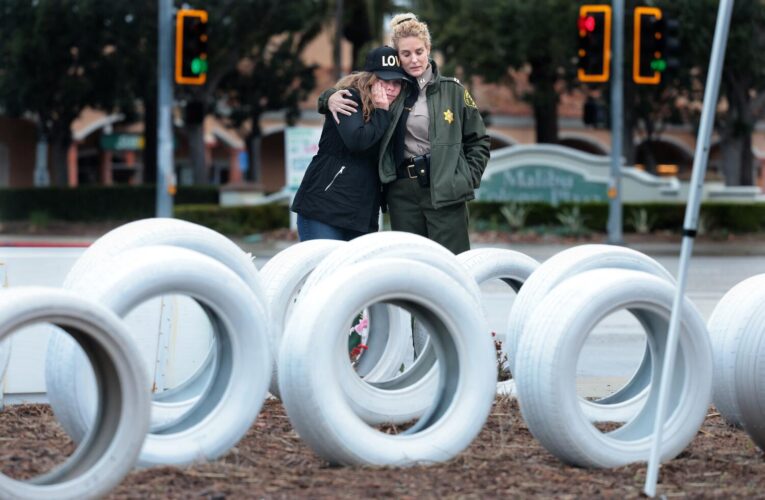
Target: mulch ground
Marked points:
504	461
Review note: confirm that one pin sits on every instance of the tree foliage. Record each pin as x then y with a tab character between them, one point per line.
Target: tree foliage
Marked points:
56	58
255	64
59	56
494	39
742	87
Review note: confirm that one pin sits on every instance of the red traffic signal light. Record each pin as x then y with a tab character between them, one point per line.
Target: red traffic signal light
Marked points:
594	26
191	47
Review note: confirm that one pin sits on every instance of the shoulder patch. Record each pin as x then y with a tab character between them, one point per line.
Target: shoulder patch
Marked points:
452	79
469	101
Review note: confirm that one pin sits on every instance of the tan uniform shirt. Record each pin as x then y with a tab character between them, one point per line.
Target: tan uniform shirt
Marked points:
416	139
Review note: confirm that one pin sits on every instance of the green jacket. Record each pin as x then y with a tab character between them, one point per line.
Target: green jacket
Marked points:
459	146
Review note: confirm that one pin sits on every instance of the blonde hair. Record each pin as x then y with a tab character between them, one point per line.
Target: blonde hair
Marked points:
361	81
406	25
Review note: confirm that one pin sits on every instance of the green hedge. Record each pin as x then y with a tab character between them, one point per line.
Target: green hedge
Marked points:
236	220
715	216
94	203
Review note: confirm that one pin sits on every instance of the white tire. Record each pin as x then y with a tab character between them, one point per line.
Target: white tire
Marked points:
513	268
242	368
173	232
5	358
750	365
407	395
282	277
101	462
130	236
736	316
311	384
550	348
560	267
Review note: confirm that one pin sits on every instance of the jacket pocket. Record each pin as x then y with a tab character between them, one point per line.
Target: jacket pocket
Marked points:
462	180
338	174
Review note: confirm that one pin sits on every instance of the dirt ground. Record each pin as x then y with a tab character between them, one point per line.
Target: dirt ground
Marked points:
505	461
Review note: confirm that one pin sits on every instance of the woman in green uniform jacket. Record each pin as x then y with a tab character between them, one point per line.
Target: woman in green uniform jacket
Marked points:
434	152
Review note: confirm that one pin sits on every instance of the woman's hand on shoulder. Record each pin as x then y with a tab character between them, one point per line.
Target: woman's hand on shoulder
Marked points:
378	96
340	103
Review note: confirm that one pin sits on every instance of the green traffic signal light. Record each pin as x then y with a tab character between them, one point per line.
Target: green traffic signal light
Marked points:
198	66
659	65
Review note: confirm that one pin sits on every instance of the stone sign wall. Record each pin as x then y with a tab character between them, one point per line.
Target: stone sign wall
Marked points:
556	174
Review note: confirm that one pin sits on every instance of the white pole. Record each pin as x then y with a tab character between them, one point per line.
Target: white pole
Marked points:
689	232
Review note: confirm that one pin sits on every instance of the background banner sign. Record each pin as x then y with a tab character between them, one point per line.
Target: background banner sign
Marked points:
300	146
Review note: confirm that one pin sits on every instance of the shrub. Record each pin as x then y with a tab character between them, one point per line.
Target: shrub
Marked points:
719	216
237	221
93	203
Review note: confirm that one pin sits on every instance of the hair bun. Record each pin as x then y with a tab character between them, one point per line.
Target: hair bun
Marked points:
402	18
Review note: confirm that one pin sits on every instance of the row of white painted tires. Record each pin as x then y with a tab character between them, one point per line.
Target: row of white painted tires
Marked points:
399	270
737	328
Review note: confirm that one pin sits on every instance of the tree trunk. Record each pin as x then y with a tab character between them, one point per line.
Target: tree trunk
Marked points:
546	120
60	139
195	134
747	161
736	142
731	155
544	100
196	141
628	135
150	137
254	140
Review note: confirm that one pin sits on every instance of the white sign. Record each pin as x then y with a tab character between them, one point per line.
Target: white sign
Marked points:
300	146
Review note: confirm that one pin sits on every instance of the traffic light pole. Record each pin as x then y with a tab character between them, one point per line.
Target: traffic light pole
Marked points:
690	225
165	171
617	126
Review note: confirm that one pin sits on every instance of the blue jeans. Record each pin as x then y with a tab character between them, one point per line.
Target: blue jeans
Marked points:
312	229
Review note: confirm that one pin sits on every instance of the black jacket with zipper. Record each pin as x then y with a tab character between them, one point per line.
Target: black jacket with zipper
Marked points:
341	186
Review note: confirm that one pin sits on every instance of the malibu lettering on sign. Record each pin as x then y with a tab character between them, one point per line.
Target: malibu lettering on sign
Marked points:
544	184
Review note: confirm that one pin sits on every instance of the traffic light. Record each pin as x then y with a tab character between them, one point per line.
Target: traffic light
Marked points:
191	47
655	45
594	26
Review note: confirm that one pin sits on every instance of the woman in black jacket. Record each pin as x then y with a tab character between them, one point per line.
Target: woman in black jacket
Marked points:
339	197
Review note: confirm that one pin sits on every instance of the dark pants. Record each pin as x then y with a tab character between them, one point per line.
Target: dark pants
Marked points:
411	210
312	229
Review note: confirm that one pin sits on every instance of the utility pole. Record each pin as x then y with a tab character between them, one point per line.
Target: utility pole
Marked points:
617	124
165	170
337	54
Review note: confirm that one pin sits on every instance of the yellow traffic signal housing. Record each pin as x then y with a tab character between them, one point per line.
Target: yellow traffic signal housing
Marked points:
594	26
191	47
647	46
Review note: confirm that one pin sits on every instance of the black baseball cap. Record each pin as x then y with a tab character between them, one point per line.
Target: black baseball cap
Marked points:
383	62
